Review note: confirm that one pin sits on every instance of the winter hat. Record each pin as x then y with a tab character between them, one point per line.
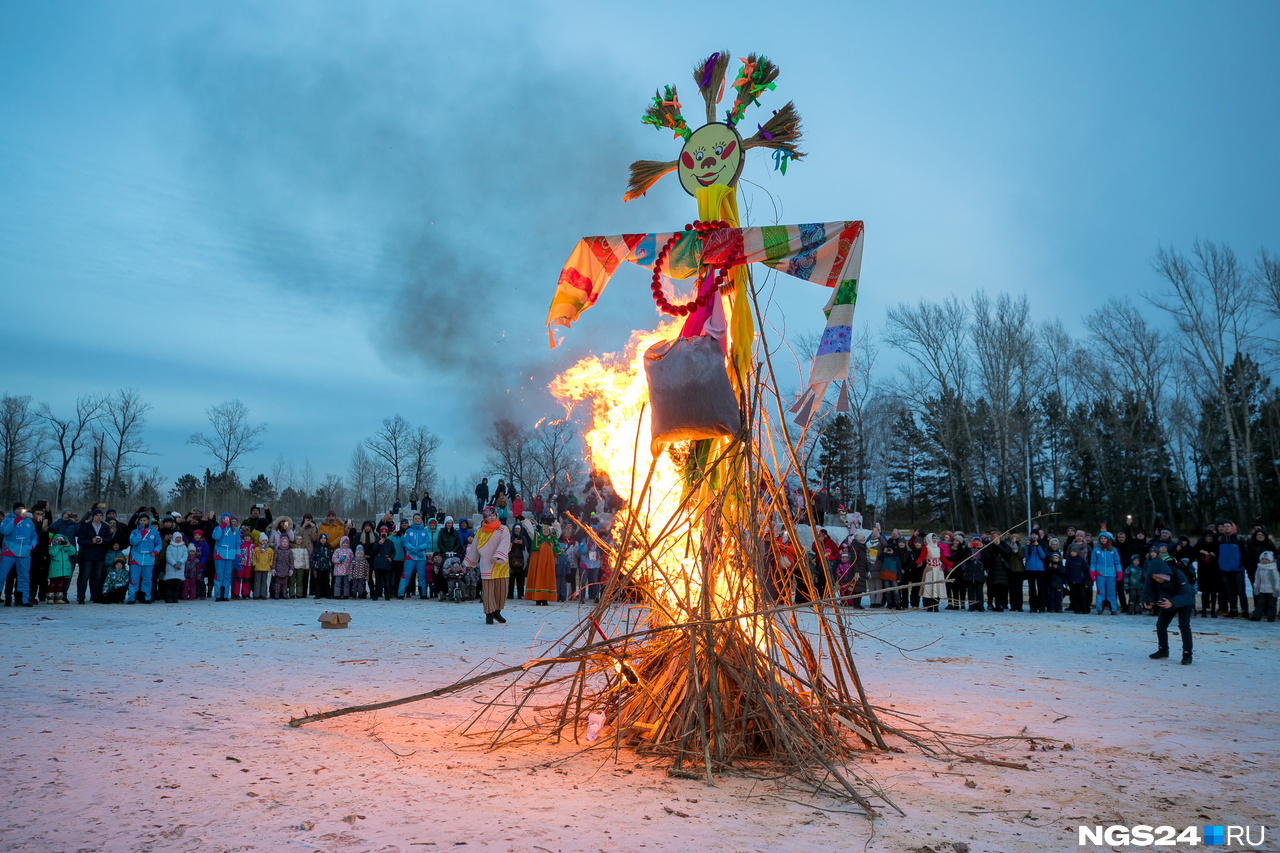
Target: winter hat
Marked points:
383	529
197	533
17	505
448	519
97	510
344	542
975	538
226	515
489	512
360	550
1104	535
59	536
176	539
432	522
1267	557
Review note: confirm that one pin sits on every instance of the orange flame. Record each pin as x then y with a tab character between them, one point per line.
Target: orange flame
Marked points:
617	443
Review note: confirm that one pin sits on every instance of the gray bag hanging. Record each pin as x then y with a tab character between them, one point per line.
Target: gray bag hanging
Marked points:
689	392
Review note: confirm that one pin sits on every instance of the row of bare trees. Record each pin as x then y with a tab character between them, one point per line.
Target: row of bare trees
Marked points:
40	447
98	452
1161	408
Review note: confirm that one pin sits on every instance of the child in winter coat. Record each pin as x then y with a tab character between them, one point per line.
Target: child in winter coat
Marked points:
298	577
197	556
281	569
342	568
263	559
322	568
566	569
176	554
358	577
1266	584
60	553
1078	579
1055	576
1135	579
117	582
242	583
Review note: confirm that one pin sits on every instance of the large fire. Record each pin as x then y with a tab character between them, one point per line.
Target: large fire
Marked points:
617	440
617	443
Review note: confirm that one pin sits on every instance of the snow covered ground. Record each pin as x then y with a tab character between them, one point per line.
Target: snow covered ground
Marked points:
163	728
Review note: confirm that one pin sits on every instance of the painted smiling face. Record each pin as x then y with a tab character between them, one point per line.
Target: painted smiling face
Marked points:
712	155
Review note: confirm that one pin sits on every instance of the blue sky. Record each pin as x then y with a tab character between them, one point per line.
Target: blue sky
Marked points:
336	212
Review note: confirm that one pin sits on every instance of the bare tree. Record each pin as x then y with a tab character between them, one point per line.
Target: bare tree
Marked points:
422	458
1266	273
1211	302
360	479
393	444
18	441
282	473
1006	353
233	436
509	442
123	426
554	453
69	434
307	479
332	493
934	335
1138	359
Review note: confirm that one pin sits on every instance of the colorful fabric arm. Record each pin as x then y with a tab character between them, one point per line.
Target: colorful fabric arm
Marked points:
828	253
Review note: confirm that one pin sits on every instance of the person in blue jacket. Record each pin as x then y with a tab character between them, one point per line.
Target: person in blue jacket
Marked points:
1037	587
418	543
1231	568
144	546
1105	568
19	533
1169	590
226	556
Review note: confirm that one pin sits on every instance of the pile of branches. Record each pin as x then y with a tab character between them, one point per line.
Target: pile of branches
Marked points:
694	653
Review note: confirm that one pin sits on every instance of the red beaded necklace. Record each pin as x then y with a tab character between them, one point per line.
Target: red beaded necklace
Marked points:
702	299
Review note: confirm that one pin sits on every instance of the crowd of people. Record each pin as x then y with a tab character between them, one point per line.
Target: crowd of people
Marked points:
550	550
1121	572
532	552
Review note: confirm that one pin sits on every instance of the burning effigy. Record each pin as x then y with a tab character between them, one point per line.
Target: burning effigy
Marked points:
695	653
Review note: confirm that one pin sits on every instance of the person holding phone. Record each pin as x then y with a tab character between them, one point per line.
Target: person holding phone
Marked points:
1172	594
94	538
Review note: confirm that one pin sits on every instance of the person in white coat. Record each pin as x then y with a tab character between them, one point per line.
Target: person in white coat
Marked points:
489	549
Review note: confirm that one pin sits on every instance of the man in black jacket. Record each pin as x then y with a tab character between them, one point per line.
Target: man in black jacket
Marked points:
995	558
1169	590
257	520
93	538
482	494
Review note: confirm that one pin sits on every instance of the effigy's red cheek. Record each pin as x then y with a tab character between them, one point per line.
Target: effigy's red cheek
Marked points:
728	150
687	159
